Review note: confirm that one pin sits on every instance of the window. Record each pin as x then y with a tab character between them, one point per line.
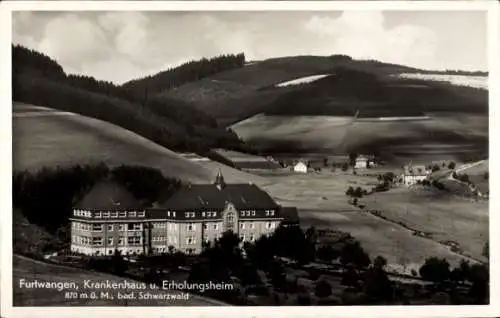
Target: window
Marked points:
216	226
114	214
253	213
110	227
190	240
242	238
121	227
168	213
123	214
121	240
229	221
189	214
105	214
242	225
134	240
141	214
132	214
242	213
269	212
97	227
252	225
173	214
191	227
205	226
73	238
252	238
214	214
110	241
97	241
134	226
98	215
160	225
268	225
203	214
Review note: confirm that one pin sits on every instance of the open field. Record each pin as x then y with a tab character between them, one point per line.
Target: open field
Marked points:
443	137
461	80
446	218
40	141
31	270
316	132
322	202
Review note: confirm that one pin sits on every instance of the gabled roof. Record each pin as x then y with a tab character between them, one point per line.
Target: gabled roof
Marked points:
209	197
108	195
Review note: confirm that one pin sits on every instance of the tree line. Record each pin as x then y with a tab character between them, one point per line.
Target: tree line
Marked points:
185	73
46	198
175	124
256	266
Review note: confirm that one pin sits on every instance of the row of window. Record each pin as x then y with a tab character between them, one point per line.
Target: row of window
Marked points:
137	240
138	226
208	214
158	238
99	241
109	227
121	214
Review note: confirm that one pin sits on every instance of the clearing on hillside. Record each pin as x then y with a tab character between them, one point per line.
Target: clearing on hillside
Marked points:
71	139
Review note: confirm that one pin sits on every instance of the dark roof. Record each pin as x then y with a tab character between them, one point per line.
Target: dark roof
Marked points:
209	197
108	195
290	214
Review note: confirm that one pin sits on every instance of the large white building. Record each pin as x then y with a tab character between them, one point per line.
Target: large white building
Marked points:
110	219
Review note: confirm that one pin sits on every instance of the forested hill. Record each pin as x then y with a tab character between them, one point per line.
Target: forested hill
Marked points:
40	80
185	73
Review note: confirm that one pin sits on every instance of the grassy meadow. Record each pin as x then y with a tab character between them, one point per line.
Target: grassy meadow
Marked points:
321	200
45	140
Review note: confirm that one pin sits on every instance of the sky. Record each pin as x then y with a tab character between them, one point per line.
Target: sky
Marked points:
121	46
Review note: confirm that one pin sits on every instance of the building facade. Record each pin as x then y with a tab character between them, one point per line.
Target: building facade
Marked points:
300	167
414	174
109	218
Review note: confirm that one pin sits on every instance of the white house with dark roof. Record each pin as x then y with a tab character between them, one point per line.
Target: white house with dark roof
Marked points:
300	166
109	218
414	174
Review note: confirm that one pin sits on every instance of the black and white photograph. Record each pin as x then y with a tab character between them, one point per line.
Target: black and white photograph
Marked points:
177	158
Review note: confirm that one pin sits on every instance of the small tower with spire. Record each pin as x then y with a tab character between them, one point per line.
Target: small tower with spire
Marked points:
219	181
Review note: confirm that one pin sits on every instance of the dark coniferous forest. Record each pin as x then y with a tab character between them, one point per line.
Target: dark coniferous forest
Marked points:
39	80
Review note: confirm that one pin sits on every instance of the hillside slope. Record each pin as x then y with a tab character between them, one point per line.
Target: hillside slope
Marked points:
238	94
38	79
46	137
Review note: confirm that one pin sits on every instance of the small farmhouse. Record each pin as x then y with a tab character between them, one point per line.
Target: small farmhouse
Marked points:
362	162
301	167
414	174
